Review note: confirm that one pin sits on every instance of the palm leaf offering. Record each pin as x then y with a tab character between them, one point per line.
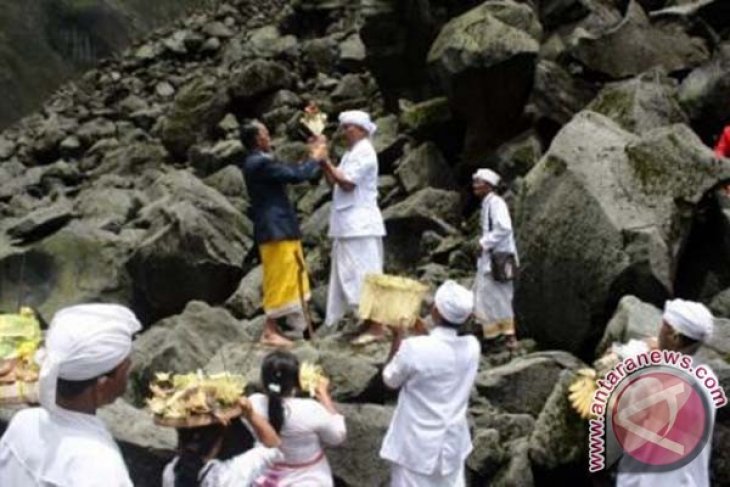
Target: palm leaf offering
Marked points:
391	300
314	119
190	400
20	337
581	392
310	376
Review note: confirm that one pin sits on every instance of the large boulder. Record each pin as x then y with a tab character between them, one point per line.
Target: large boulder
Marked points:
523	385
633	319
181	344
613	53
557	95
258	78
601	216
79	263
475	56
424	166
195	244
705	92
357	461
641	104
247	301
559	439
197	109
429	209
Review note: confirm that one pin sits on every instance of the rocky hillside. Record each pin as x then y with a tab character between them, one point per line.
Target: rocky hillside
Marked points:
598	112
45	42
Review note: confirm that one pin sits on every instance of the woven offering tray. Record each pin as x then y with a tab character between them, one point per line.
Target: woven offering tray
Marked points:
198	420
194	400
391	300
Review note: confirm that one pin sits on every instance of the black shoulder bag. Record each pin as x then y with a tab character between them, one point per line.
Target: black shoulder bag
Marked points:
504	264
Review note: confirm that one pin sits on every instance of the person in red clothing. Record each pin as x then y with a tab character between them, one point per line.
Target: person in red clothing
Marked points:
722	149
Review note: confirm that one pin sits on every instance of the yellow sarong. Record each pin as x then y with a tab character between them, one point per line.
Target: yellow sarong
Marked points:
282	277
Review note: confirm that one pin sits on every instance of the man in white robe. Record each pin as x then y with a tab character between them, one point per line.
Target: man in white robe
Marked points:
356	224
84	366
685	326
428	440
493	299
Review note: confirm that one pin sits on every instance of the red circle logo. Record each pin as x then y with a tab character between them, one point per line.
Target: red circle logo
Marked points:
660	419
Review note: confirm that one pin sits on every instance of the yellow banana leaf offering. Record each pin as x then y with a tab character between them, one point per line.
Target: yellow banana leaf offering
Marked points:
310	375
391	300
581	392
314	119
191	400
20	337
18	333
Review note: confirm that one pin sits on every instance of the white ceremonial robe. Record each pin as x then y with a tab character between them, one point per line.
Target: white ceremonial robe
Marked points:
60	449
493	300
308	427
356	227
240	471
429	434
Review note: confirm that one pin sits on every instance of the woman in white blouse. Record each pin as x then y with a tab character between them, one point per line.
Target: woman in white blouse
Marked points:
305	426
203	462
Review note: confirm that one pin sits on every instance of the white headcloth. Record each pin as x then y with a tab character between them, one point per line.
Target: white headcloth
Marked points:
359	118
454	302
691	319
488	176
83	342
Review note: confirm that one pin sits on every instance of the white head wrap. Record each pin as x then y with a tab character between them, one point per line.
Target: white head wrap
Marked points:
454	302
691	319
84	342
488	176
359	118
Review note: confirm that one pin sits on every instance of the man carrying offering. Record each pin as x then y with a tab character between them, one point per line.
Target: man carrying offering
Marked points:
428	439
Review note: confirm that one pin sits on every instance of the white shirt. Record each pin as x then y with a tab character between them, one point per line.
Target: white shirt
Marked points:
429	432
307	427
60	449
355	213
240	471
501	236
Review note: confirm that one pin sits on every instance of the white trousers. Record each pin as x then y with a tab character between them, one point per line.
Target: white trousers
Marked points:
352	259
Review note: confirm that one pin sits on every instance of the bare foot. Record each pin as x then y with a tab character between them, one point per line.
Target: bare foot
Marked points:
269	339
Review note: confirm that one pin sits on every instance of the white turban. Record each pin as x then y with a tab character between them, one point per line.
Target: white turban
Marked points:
488	176
359	118
84	342
454	302
691	319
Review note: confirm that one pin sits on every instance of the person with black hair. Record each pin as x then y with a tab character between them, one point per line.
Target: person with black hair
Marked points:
304	425
428	440
276	228
84	366
208	457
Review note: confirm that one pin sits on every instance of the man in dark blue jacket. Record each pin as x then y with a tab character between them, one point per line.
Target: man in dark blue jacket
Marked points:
276	228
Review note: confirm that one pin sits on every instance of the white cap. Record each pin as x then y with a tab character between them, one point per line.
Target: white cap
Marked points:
83	342
488	176
454	302
359	118
691	319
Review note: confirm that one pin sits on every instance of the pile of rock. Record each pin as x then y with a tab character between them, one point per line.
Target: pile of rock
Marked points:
121	189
